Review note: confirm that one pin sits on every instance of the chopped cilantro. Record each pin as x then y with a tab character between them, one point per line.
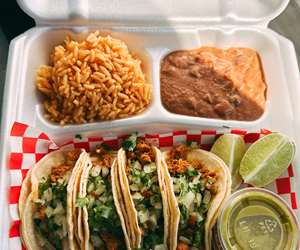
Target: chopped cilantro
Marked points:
192	218
37	221
130	143
106	147
192	172
192	144
59	192
155	198
52	195
145	180
198	238
78	136
43	186
203	207
54	241
184	214
102	214
81	202
52	226
151	240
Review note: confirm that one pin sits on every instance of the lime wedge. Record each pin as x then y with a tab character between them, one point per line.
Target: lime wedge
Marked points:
266	159
231	149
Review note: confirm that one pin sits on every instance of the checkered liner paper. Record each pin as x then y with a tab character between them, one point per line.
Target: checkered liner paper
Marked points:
29	145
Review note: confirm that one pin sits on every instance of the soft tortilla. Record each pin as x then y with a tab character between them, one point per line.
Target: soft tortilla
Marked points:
72	190
164	184
83	215
214	164
172	206
133	229
24	193
80	231
41	170
136	235
119	202
29	236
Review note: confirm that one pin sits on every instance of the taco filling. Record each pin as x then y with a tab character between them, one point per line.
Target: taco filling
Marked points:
103	220
141	171
50	211
194	188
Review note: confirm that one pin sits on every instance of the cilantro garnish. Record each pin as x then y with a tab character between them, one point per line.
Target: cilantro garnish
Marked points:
81	202
78	136
130	143
192	172
106	147
192	144
44	185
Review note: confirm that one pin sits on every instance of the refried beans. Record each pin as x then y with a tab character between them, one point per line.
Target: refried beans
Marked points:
214	83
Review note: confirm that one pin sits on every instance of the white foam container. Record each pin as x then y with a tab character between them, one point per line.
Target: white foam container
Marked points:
151	29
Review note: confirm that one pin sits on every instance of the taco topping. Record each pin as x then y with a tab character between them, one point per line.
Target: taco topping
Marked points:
144	187
194	188
104	223
50	214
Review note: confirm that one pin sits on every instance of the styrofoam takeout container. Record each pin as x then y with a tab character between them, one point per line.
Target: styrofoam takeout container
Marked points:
151	29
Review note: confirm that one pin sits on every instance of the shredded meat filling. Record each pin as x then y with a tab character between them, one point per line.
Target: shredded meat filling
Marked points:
72	156
182	246
178	166
42	212
179	151
111	242
102	157
177	163
143	152
59	171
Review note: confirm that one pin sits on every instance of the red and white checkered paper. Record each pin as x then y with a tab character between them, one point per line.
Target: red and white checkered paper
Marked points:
29	145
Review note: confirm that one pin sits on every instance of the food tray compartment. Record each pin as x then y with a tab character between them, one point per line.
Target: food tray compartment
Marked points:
151	46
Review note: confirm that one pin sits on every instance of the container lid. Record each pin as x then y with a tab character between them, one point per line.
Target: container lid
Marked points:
254	218
153	12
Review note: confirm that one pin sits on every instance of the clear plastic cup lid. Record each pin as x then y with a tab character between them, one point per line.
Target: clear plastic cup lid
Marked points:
255	218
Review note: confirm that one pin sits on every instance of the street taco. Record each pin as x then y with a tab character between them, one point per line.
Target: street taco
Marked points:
201	184
102	220
144	192
47	218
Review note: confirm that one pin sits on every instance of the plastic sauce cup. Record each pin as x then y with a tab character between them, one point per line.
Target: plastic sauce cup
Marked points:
255	218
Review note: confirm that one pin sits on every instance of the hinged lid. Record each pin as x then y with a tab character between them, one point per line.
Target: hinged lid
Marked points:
153	12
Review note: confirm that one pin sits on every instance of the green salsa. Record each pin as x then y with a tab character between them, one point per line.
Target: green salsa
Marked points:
257	219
